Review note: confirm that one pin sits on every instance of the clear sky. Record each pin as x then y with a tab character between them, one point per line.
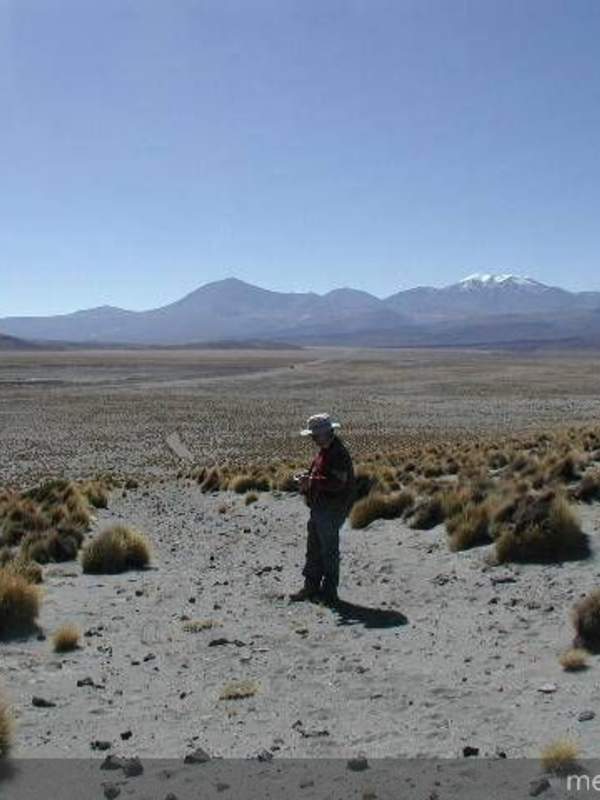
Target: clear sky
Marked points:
149	147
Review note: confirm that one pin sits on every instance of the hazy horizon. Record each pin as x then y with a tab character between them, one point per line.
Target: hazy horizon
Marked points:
149	149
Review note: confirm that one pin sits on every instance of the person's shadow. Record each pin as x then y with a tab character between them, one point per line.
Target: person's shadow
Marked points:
353	614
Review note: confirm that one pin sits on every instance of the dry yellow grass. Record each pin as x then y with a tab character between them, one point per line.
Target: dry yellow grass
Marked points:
66	638
245	483
545	530
19	604
238	690
198	625
6	728
29	570
586	619
574	660
560	757
378	505
469	527
116	549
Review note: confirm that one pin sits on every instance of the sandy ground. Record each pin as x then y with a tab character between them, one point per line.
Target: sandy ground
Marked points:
434	651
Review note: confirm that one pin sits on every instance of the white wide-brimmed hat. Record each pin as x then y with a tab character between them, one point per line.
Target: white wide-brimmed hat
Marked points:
319	422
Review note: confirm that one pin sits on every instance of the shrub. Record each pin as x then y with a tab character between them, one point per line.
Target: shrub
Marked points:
19	604
20	518
586	619
565	469
574	660
211	481
53	546
380	506
560	757
469	527
244	483
96	493
29	570
544	530
588	489
286	482
428	513
115	549
66	639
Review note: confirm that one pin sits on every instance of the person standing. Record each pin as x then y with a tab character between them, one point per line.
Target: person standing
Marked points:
328	487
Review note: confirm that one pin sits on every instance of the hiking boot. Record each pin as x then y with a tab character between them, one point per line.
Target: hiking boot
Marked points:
306	594
329	597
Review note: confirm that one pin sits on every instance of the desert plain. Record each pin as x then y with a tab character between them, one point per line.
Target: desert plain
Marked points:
434	652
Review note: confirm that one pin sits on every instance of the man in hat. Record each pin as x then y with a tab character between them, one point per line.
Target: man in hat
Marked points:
328	487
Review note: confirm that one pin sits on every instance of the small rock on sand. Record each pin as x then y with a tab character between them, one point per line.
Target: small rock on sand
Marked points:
199	756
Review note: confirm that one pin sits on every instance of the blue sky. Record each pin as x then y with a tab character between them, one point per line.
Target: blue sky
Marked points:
149	147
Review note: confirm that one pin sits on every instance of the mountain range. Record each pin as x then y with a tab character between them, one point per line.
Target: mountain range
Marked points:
481	309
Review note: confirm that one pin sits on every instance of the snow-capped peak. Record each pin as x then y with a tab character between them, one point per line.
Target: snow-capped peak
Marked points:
503	280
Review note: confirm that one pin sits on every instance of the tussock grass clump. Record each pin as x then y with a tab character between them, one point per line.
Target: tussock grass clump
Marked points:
469	527
251	497
543	529
6	728
286	482
211	480
66	639
588	488
115	549
428	513
586	619
21	517
19	604
566	469
380	506
56	546
574	660
29	570
239	690
245	483
560	757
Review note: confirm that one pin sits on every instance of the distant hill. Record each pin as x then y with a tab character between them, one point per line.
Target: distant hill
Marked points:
14	343
481	308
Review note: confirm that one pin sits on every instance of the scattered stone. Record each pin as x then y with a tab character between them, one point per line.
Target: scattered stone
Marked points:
538	786
505	577
98	744
126	735
85	682
586	716
357	764
40	702
548	688
112	762
149	657
265	755
199	756
470	751
132	767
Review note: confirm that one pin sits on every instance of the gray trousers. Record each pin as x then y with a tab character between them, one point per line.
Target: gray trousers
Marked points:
323	548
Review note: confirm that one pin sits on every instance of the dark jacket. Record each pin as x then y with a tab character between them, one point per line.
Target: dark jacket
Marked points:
332	478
